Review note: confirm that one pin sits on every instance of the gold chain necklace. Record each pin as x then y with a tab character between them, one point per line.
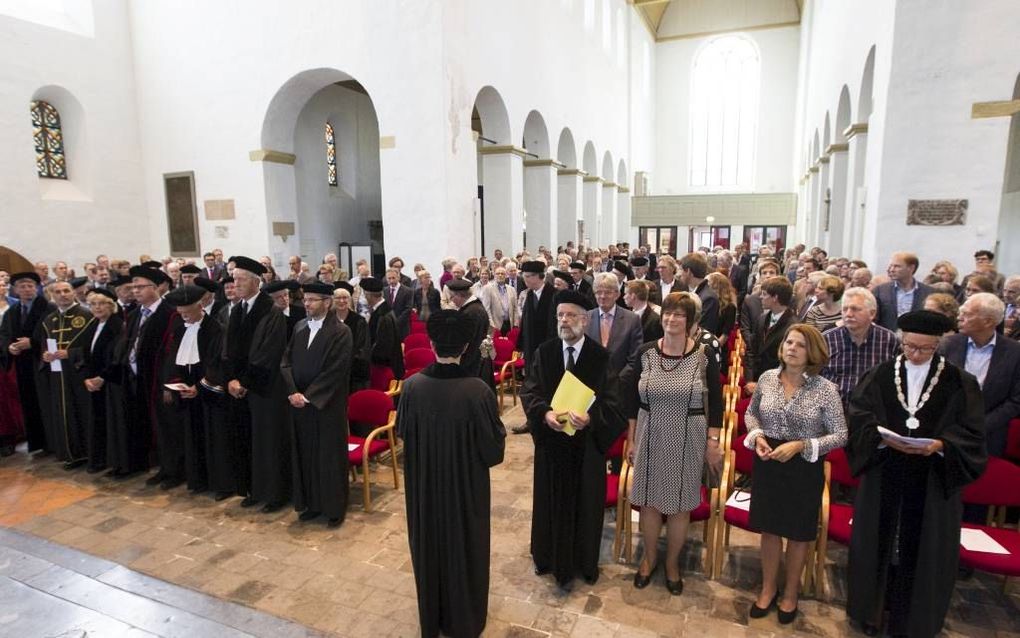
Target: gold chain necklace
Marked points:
912	422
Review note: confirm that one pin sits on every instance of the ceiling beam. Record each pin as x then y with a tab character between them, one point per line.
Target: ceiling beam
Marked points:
645	3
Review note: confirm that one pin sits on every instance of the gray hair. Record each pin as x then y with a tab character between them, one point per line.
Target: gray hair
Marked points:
860	293
988	306
606	279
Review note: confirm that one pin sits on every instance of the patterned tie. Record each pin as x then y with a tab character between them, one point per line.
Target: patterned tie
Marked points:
606	328
570	358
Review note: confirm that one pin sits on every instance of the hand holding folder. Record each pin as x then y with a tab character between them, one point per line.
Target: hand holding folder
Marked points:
571	396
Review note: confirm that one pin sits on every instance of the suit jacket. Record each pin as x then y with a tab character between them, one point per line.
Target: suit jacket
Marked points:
490	298
750	312
384	334
218	272
885	294
763	352
651	324
625	337
430	301
585	288
710	319
538	321
1001	389
241	345
13	328
401	305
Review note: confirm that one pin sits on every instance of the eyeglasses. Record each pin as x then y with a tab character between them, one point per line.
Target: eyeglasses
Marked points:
567	315
909	347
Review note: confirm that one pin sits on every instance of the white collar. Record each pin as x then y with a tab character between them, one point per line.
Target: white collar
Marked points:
577	347
991	343
379	303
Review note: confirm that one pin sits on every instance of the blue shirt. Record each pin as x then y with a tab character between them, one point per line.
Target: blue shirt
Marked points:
978	358
904	298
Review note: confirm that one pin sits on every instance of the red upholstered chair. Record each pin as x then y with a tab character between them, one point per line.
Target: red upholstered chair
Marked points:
837	518
1013	440
998	488
615	496
381	378
416	340
375	408
417	359
514	335
741	408
504	364
418	327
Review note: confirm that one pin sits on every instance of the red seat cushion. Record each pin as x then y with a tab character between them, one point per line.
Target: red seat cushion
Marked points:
1004	564
738	518
612	489
840	516
1013	440
702	511
355	457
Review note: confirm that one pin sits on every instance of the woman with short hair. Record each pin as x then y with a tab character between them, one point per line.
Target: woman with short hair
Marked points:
828	309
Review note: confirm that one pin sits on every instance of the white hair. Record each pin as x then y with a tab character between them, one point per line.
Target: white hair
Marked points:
988	306
606	279
860	293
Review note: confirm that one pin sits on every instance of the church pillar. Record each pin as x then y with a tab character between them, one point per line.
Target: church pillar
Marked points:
622	212
569	207
503	203
857	152
592	209
607	223
821	235
540	201
837	198
807	235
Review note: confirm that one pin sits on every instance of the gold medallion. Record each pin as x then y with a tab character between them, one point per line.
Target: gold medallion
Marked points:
78	322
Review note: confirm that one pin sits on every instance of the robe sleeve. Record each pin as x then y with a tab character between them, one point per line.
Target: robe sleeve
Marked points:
533	399
267	347
963	436
39	336
489	432
286	367
386	341
336	369
213	364
608	420
866	414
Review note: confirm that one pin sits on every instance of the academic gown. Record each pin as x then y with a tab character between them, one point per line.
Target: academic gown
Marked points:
67	403
921	494
97	362
12	328
295	314
362	351
185	450
384	334
570	471
472	359
320	371
452	435
538	320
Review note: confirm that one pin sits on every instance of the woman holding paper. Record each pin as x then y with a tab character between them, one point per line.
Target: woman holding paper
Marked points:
675	417
794	420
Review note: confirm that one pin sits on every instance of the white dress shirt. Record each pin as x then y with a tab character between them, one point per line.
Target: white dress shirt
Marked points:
577	350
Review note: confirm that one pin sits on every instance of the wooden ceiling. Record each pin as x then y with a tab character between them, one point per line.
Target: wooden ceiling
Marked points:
652	11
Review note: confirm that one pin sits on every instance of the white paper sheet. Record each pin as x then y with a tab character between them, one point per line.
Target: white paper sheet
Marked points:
51	346
740	500
976	540
352	446
905	440
176	387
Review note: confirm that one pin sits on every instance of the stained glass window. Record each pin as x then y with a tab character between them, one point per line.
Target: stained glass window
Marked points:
49	141
330	155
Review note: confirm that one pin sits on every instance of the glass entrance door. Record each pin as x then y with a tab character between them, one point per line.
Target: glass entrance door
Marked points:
662	239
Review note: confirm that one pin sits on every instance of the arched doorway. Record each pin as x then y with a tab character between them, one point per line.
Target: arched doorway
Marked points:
500	223
592	200
12	261
857	141
539	185
569	186
324	178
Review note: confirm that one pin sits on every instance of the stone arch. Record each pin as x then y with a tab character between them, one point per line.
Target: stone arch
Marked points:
536	135
591	204
590	163
843	114
540	180
621	174
566	149
500	221
623	194
864	101
12	261
493	116
826	133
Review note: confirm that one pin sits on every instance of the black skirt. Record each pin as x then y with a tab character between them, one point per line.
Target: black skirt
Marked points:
785	497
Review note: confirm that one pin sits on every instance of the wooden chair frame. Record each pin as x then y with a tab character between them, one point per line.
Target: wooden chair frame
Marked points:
506	379
389	431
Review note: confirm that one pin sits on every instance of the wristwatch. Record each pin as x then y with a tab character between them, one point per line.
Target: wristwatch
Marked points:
713	438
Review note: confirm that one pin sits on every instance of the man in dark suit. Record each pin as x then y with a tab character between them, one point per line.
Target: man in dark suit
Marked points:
212	270
400	297
667	283
763	351
617	329
20	347
902	293
637	301
538	316
383	331
580	284
396	263
693	271
466	302
993	359
750	309
279	291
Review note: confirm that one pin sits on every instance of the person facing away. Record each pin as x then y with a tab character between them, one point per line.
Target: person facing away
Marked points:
452	435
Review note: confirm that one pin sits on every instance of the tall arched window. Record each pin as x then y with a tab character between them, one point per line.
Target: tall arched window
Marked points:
49	141
331	175
724	113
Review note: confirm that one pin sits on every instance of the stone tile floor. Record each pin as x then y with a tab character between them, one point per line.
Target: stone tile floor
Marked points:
357	580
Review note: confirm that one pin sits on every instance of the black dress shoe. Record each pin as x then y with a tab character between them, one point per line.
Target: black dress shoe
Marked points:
787	617
869	630
308	515
269	508
540	571
70	465
334	522
640	582
249	501
591	580
171	483
758	612
521	429
7	450
222	496
155	479
675	587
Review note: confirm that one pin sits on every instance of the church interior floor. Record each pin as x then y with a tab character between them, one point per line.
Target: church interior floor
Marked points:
84	555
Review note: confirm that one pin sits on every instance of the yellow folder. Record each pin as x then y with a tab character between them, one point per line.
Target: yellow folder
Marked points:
571	395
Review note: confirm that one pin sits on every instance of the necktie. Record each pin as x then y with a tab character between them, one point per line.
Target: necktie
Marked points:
393	295
24	314
570	358
145	315
606	328
244	308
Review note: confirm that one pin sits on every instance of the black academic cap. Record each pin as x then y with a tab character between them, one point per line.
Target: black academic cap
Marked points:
205	282
227	279
621	266
565	276
371	284
18	276
152	263
155	276
458	285
635	261
78	282
184	295
345	285
535	267
449	328
280	284
316	288
119	281
925	322
104	292
572	297
578	265
249	264
190	269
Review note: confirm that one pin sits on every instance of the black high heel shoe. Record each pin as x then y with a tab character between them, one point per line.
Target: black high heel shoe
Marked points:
640	582
675	587
787	617
758	612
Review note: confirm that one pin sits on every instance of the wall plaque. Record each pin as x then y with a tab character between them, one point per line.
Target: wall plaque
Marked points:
219	209
937	212
181	214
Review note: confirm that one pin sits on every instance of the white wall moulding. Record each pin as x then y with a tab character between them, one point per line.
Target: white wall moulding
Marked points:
609	185
744	29
572	171
502	149
545	162
823	159
813	169
855	129
838	147
768	209
622	189
1002	108
592	178
276	157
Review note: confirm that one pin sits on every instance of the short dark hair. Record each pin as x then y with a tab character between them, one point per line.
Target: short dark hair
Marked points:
985	253
780	288
448	350
814	262
696	264
395	260
208	255
687	303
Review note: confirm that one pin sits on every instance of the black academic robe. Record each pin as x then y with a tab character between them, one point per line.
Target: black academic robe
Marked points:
12	328
570	471
538	320
97	362
584	287
252	350
918	495
361	351
295	314
320	371
66	402
384	334
452	435
763	351
183	448
471	361
651	325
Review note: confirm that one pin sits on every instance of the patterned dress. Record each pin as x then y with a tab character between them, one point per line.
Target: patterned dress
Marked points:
671	433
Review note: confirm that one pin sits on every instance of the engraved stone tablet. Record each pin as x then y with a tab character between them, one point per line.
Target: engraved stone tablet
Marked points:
219	209
936	212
